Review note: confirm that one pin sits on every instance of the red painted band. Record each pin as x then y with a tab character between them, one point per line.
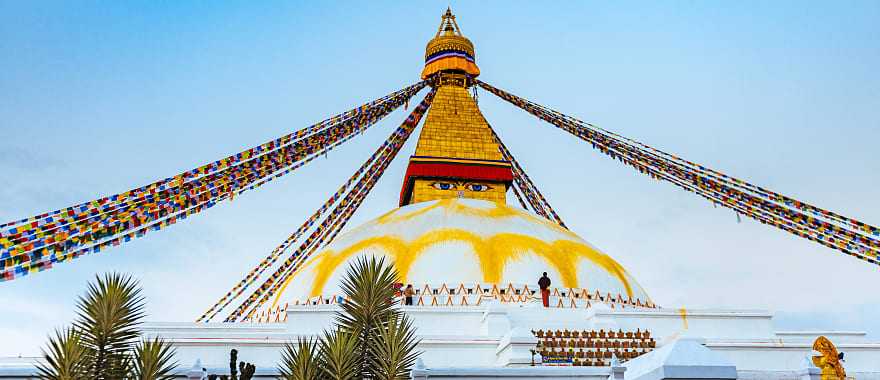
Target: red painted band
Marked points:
452	170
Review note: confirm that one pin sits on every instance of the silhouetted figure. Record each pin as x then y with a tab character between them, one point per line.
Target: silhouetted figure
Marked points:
233	358
544	284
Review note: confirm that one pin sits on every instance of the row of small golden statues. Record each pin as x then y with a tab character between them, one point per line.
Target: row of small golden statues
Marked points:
602	334
598	343
828	360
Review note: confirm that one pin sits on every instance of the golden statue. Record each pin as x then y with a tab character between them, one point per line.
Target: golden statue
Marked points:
829	360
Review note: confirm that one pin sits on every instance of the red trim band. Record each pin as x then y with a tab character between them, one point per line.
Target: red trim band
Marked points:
452	170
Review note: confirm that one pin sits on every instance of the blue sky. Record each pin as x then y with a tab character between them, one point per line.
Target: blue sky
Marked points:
97	98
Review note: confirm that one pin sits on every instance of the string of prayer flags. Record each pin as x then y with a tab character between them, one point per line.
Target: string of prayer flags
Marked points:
34	244
272	258
539	204
336	219
830	229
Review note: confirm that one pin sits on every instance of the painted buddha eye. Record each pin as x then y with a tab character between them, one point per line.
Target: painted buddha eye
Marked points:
477	187
443	185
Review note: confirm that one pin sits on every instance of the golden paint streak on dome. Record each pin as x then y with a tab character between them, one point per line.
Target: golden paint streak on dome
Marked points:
330	260
493	254
452	206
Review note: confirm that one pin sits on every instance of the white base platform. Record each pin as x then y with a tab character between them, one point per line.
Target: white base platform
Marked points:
494	340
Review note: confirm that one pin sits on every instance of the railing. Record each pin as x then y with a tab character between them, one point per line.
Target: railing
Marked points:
475	295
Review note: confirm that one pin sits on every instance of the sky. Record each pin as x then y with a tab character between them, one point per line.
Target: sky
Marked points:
100	97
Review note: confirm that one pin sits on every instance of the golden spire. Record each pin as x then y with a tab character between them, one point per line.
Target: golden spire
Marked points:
456	155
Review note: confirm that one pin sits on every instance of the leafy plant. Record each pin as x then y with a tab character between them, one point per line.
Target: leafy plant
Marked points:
67	357
300	361
103	343
394	349
109	314
152	360
372	338
338	351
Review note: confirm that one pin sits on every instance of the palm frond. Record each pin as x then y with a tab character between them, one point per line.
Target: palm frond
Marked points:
153	360
66	357
108	317
339	355
394	349
368	285
300	361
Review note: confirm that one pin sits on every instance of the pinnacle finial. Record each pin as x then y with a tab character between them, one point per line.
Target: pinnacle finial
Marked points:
448	26
449	49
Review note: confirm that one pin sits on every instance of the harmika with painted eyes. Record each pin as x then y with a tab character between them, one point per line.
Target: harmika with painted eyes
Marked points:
470	186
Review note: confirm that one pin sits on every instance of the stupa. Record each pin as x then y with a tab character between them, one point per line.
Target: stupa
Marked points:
475	260
454	229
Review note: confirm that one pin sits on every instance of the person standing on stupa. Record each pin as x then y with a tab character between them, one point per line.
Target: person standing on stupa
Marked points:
408	294
544	284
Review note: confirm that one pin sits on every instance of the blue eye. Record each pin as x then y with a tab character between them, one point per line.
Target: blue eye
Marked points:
443	185
477	187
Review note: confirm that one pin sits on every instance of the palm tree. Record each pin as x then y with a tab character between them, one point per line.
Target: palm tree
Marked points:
109	314
103	342
300	361
372	338
393	350
152	360
369	285
66	358
338	355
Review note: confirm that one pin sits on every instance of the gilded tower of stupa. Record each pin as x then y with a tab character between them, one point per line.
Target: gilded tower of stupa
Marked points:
456	156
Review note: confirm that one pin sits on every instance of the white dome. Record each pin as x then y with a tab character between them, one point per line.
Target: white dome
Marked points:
465	241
